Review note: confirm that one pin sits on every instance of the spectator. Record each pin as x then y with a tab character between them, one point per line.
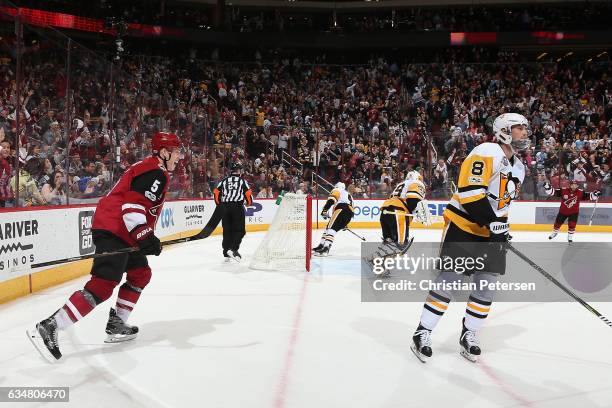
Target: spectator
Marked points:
6	170
53	191
29	195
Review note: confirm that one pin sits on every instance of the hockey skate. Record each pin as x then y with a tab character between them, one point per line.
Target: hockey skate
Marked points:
117	330
570	238
44	339
469	345
421	344
554	234
234	255
388	249
317	248
226	256
403	248
323	252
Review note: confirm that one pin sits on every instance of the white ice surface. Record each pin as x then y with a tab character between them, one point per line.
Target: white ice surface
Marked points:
221	335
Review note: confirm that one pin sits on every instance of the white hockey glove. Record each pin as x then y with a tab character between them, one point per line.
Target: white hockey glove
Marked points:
422	213
548	188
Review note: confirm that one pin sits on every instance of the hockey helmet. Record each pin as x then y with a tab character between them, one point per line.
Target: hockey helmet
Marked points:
414	175
164	139
502	129
340	186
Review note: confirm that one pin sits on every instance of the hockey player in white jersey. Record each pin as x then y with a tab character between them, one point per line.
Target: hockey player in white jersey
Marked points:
342	213
477	217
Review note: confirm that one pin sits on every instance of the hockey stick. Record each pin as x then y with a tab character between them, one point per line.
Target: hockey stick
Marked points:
105	254
355	234
404	213
560	285
593	213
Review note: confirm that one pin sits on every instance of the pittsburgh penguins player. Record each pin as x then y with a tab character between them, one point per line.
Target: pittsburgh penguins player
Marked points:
489	180
405	201
342	203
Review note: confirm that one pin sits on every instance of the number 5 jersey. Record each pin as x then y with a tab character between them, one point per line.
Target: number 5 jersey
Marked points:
136	199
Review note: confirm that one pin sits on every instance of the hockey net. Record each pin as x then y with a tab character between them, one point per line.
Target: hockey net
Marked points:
286	245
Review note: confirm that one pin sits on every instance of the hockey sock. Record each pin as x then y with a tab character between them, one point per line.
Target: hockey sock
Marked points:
328	238
476	312
77	306
433	309
126	300
571	227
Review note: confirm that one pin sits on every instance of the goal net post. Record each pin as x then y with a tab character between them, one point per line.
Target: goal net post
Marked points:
288	241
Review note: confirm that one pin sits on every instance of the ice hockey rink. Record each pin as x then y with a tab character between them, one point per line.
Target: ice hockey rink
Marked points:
216	334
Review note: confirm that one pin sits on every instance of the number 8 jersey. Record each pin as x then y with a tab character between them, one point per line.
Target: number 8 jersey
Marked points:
488	182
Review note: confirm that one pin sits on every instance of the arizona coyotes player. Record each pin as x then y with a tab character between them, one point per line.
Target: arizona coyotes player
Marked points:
476	226
125	218
570	206
342	214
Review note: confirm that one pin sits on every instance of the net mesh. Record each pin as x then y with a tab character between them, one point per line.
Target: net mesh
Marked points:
284	245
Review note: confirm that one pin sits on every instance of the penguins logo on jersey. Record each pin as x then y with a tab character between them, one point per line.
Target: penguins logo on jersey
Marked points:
509	189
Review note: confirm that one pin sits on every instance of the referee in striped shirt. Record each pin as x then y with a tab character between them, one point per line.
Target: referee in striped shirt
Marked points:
230	196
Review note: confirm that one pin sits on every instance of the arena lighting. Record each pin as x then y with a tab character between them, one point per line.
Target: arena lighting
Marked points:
42	18
463	38
557	36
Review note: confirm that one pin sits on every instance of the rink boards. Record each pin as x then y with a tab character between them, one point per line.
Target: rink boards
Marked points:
34	235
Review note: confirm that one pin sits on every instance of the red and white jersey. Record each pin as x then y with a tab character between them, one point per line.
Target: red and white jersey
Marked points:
570	200
136	199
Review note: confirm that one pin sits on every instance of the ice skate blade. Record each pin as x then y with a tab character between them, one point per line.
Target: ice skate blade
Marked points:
119	338
469	357
39	345
422	358
320	255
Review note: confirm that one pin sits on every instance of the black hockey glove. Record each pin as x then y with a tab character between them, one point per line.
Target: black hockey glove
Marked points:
499	238
324	215
146	240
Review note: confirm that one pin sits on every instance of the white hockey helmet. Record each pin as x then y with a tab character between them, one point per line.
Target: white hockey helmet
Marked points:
414	175
502	129
340	186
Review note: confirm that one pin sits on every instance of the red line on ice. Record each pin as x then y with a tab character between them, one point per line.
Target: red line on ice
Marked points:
279	401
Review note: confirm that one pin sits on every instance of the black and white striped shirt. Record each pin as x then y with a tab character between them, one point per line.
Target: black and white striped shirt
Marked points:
233	189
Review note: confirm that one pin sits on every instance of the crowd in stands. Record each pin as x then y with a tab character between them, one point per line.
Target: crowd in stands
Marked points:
294	125
568	16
